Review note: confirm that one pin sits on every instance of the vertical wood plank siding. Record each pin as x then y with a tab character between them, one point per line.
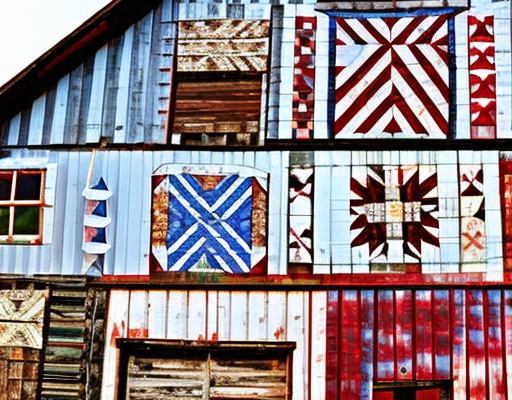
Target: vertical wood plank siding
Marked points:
464	345
114	95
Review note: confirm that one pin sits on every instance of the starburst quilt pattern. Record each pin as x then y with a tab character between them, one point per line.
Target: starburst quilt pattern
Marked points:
394	212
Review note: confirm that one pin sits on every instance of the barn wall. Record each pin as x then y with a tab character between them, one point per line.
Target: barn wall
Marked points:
346	339
122	93
448	243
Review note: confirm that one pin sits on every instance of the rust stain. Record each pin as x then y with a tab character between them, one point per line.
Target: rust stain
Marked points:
279	333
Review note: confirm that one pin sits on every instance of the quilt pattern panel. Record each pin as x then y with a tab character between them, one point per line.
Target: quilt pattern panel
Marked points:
392	77
210	222
394	212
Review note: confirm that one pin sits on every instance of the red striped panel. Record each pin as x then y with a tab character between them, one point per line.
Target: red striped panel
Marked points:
459	345
385	340
404	333
496	377
350	355
392	77
423	335
505	165
332	345
476	367
367	329
482	77
304	78
442	334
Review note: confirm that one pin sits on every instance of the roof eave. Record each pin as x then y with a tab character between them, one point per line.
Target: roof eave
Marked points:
41	74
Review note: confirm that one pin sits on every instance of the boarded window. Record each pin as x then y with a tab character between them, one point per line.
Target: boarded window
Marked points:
205	370
220	81
21	206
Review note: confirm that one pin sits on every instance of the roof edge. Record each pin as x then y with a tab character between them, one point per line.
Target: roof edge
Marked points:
42	73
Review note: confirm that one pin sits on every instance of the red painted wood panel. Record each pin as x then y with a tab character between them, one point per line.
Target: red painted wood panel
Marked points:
459	344
441	322
332	345
367	338
494	342
386	339
476	368
424	335
350	355
404	333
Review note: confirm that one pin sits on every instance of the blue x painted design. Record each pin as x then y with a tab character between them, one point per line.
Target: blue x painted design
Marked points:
212	228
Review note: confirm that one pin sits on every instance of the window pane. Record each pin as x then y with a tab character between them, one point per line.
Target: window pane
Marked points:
5	185
4	220
26	221
28	187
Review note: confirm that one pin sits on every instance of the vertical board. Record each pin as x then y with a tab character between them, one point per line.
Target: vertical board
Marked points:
496	375
117	326
318	343
385	343
441	331
138	315
476	368
423	306
367	343
404	334
459	344
332	345
350	349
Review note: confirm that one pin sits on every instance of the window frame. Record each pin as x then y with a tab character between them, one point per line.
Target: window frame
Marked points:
12	203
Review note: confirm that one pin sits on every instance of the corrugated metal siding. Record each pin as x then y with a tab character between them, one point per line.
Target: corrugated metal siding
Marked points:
128	175
120	94
223	315
346	339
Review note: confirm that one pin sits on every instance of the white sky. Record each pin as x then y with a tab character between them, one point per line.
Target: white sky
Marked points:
28	28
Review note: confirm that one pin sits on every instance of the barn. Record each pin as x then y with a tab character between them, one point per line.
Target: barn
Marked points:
282	200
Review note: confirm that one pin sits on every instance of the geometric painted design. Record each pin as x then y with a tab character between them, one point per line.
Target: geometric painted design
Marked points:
21	316
223	45
95	222
392	77
505	165
301	207
482	76
394	211
304	77
214	222
472	213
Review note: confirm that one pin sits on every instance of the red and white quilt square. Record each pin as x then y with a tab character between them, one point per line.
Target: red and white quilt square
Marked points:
392	77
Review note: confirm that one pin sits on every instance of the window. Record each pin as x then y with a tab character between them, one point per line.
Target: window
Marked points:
21	206
155	369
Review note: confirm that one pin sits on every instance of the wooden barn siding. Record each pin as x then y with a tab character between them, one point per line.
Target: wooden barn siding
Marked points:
224	315
346	339
119	94
128	175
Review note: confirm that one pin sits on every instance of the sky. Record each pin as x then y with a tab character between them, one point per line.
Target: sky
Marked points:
28	28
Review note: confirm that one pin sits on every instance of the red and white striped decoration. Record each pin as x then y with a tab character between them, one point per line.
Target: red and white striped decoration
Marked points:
482	77
392	77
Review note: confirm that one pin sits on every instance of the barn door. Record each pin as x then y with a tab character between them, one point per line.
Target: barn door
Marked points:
204	372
